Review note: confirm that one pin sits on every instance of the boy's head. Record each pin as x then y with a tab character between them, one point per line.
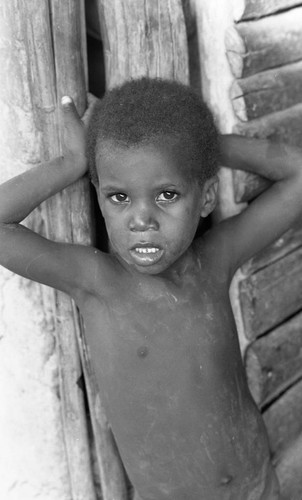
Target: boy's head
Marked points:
155	112
153	149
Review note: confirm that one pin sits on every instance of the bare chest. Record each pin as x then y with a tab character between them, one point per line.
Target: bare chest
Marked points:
143	330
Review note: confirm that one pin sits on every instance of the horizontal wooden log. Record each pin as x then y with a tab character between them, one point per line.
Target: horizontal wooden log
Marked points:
274	362
283	419
270	42
271	295
259	8
267	92
289	241
284	126
288	470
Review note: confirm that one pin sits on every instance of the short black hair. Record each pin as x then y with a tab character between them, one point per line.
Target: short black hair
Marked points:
147	110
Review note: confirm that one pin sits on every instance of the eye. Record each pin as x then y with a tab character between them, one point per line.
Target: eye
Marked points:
119	198
167	196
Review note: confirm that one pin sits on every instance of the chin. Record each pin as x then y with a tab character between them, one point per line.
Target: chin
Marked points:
150	270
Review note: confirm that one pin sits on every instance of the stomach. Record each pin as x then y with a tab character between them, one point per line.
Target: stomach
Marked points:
177	400
186	428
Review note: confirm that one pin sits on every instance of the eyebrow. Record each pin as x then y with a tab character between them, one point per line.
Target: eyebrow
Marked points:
110	187
171	185
165	186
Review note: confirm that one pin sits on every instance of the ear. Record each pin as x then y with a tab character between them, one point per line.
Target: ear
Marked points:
98	195
209	195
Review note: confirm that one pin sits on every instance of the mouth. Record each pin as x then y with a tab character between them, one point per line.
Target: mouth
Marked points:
146	254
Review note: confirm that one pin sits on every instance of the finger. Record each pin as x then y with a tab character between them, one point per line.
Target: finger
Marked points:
92	102
69	109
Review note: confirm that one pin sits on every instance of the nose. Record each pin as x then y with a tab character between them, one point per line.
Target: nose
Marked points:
143	219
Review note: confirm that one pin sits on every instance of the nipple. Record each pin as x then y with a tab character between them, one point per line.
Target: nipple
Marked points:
226	479
142	351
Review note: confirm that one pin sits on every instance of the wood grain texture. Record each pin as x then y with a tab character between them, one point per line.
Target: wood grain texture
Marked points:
283	420
287	243
276	360
267	92
144	39
260	8
272	294
68	46
69	75
32	86
271	42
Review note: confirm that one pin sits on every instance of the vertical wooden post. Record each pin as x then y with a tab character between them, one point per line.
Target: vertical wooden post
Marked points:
44	443
144	39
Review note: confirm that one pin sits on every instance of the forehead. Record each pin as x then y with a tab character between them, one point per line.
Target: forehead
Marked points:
149	162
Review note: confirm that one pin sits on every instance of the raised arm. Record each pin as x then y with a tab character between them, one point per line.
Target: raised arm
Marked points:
23	251
273	212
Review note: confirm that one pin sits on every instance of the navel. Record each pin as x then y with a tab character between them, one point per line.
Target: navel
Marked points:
142	351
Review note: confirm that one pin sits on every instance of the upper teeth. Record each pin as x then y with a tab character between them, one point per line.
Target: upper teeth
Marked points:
146	250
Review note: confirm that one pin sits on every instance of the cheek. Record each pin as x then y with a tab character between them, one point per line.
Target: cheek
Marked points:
188	218
186	226
182	232
115	229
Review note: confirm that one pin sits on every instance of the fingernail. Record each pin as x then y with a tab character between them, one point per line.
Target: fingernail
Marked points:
66	100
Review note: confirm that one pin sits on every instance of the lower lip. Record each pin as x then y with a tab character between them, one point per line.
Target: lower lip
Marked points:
146	259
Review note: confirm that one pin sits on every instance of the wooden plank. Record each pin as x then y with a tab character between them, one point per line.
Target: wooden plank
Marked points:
284	126
70	63
289	241
274	362
283	419
69	71
272	294
30	90
267	92
270	42
288	470
144	39
259	8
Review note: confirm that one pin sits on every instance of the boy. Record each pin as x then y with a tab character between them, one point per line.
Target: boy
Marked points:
156	309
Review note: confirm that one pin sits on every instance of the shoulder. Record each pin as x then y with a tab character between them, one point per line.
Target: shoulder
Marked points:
95	271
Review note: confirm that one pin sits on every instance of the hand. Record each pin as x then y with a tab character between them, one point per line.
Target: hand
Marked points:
74	149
